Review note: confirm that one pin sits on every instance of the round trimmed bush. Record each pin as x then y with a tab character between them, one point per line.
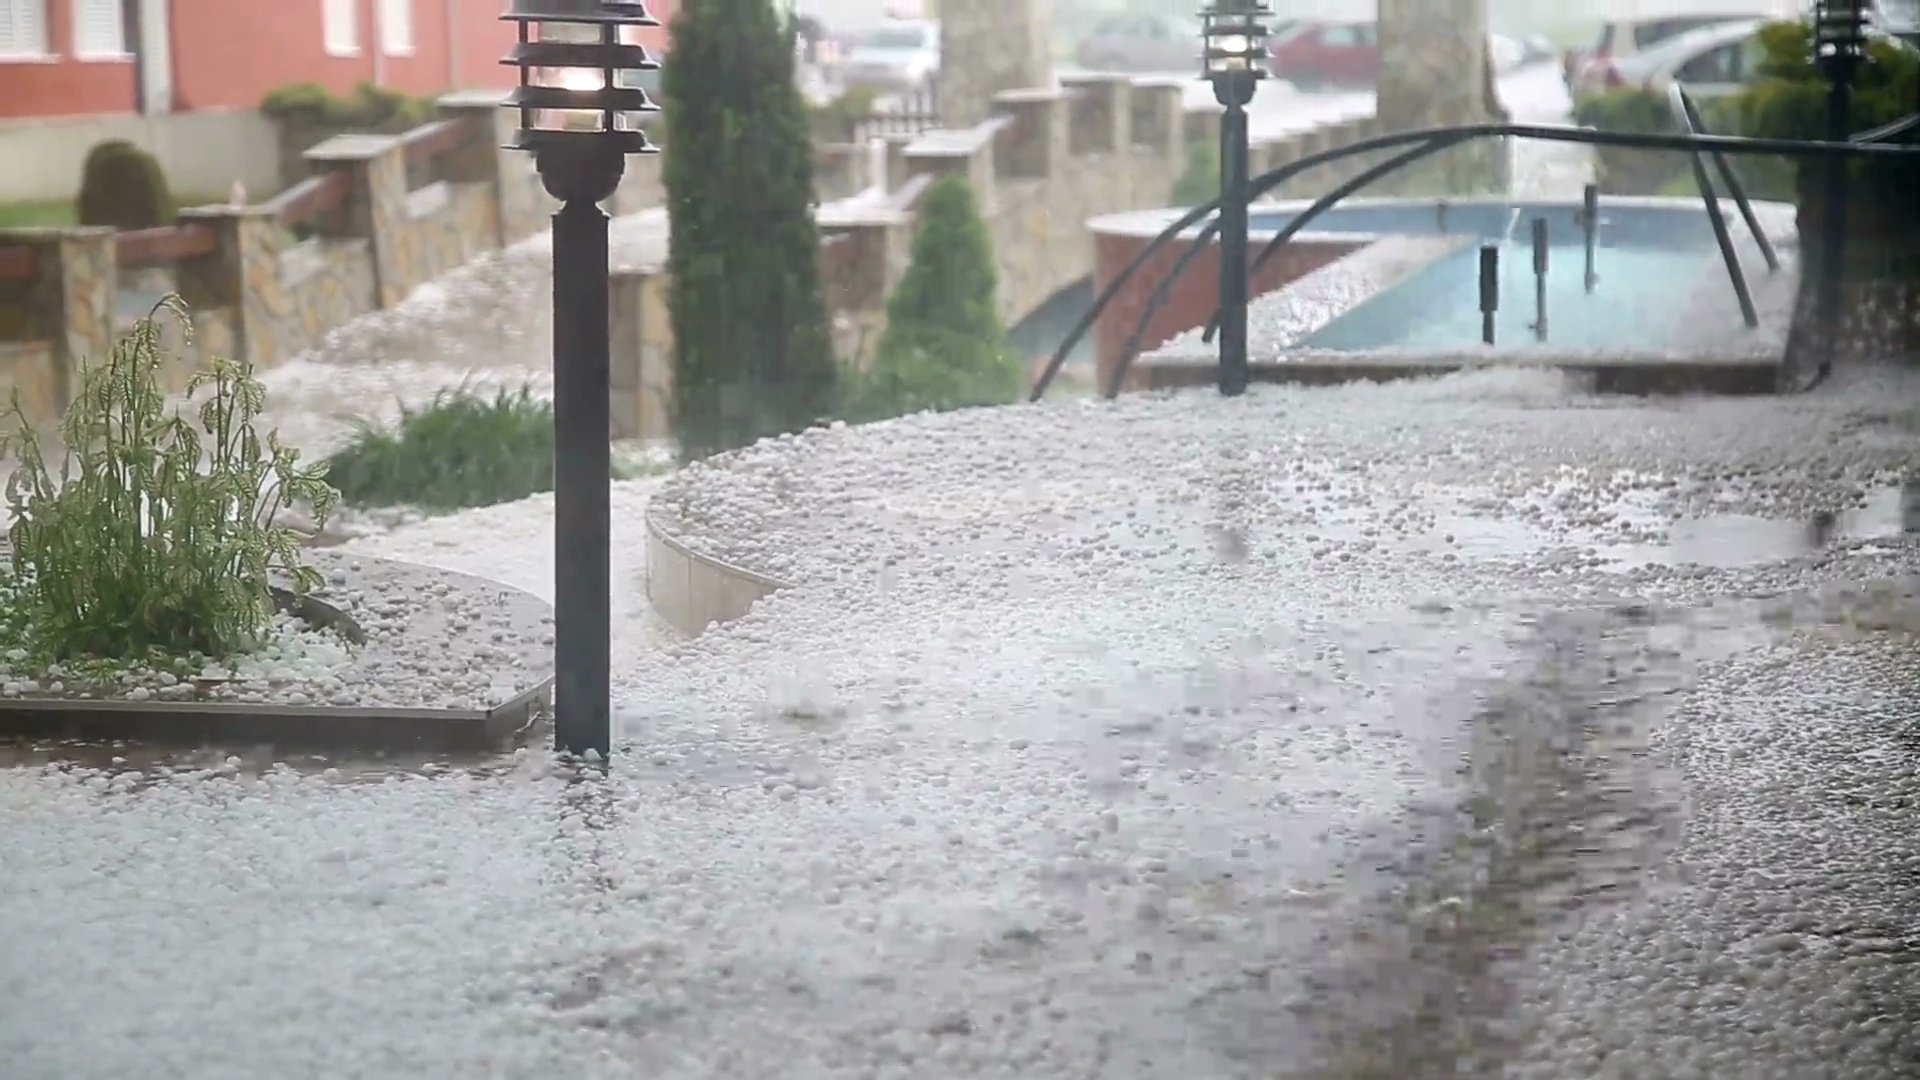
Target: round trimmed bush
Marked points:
123	186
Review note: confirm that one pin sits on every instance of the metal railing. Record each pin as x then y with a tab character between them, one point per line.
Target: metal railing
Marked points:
1412	146
908	112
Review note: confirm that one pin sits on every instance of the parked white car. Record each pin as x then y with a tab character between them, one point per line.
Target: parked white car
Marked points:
901	54
1595	70
1711	62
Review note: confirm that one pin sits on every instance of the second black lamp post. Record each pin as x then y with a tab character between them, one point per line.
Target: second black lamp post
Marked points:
578	121
1235	62
1839	48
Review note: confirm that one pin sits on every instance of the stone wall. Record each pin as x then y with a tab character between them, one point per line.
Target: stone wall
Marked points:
377	217
990	46
1044	163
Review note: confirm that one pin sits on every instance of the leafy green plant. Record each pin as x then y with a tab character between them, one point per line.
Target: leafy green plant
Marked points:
753	346
944	346
1201	180
123	187
159	534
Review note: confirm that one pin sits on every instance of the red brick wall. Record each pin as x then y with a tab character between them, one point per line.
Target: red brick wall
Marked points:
1193	296
230	53
62	85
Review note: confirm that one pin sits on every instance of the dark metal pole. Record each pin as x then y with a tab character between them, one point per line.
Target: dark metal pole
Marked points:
582	458
1489	290
1590	224
1540	279
1234	287
1694	126
1834	227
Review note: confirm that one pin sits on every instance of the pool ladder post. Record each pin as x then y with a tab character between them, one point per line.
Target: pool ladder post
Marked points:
1540	279
1589	220
1489	290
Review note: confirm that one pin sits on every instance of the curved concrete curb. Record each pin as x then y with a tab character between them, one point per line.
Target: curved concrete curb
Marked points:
691	591
524	659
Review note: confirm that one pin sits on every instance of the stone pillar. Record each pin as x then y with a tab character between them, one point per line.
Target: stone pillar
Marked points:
1433	73
1159	114
1433	57
1100	111
484	160
236	292
1037	145
377	208
641	376
987	46
65	301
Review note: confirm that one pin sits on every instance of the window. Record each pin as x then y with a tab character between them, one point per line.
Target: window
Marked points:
23	29
99	30
396	26
1719	65
340	27
1649	34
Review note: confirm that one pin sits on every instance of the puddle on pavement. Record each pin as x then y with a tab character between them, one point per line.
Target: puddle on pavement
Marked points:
1729	541
1737	540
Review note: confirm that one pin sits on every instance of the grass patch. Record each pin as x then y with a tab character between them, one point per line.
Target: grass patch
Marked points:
64	213
461	450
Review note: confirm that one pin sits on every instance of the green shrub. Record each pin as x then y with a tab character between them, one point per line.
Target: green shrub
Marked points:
1632	111
461	450
1789	102
158	534
368	108
1201	180
839	120
944	346
123	187
753	347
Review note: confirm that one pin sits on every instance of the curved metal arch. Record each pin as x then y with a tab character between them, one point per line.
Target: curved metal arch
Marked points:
1544	132
1300	221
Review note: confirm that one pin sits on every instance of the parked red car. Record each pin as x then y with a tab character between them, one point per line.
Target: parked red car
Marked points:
1322	52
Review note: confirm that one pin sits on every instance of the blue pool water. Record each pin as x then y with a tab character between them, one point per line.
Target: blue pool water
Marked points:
1641	295
1652	261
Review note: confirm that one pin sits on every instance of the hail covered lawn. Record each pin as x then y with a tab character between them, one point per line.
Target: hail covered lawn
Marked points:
1403	730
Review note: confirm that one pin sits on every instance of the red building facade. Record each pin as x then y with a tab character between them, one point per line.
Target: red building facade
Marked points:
107	57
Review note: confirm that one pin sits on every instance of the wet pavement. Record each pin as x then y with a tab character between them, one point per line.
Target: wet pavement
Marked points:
1471	727
1174	736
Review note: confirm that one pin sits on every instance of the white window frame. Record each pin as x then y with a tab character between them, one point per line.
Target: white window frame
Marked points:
396	26
82	48
38	49
340	27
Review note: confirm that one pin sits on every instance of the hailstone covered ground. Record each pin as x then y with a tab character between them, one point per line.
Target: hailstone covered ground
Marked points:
1386	729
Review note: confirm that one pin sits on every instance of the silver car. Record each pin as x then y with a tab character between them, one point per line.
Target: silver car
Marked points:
1141	43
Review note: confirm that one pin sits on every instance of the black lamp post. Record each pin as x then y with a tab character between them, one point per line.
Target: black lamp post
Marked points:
1839	48
576	118
1235	59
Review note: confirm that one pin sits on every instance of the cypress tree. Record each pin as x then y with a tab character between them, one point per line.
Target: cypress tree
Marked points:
753	349
944	346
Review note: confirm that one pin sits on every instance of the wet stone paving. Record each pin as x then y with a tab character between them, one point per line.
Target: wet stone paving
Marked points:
1479	726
